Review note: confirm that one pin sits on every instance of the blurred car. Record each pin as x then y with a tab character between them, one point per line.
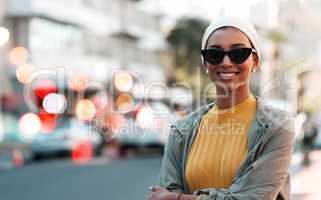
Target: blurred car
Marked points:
10	129
14	149
147	129
64	139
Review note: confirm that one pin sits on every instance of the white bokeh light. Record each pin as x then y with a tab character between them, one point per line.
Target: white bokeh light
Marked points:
123	81
145	118
54	103
4	36
29	125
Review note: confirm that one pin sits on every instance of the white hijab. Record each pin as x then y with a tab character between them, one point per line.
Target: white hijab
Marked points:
245	26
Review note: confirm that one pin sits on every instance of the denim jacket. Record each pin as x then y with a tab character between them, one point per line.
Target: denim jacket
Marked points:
264	174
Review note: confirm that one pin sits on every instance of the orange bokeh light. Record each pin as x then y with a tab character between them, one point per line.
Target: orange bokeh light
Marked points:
23	73
78	81
18	56
124	102
123	81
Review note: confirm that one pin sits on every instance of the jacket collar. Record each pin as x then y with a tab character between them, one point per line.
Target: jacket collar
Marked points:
264	116
264	113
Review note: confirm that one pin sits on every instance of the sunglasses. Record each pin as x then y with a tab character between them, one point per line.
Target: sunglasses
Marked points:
237	55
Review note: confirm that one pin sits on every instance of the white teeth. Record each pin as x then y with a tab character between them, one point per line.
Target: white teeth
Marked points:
226	75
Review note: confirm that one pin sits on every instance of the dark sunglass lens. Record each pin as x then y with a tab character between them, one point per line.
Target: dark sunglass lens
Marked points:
239	55
213	56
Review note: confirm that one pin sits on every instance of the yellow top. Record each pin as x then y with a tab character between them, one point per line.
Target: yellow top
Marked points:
220	146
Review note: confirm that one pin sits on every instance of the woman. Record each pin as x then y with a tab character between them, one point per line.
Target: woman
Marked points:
236	147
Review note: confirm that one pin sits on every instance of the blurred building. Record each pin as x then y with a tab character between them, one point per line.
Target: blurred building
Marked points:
291	45
301	19
5	86
263	15
90	36
277	77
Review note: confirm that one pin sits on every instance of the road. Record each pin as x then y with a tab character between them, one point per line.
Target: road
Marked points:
120	180
63	180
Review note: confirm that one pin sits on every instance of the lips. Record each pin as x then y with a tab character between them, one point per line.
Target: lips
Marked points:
227	74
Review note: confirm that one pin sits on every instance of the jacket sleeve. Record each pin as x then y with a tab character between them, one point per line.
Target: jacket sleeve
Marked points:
170	174
263	178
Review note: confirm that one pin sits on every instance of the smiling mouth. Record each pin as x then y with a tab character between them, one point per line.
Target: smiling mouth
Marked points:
227	75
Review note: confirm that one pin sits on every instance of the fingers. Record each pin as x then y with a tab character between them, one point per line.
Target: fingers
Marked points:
155	188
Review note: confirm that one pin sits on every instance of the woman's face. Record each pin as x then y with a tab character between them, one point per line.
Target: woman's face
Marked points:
228	75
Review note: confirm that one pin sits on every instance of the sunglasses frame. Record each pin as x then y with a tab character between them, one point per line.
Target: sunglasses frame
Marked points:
204	53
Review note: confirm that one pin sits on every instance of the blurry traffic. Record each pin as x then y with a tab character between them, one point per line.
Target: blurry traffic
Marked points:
94	81
79	122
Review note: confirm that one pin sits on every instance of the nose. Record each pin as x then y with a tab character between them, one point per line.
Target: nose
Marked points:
227	61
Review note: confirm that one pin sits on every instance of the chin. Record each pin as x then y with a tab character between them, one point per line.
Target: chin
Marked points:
226	85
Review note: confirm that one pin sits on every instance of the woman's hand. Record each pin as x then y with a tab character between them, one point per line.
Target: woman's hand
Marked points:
159	193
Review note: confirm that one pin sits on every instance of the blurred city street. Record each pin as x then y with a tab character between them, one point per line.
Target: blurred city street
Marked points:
89	89
63	180
120	179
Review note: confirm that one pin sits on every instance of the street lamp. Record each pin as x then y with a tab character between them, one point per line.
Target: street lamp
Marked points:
4	36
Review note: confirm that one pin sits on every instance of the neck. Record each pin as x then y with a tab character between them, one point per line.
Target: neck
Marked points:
228	99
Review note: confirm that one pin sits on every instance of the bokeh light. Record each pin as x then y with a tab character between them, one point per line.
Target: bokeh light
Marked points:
17	157
100	103
29	125
78	81
124	102
23	73
54	103
83	152
48	121
4	36
145	117
18	56
45	87
123	81
85	110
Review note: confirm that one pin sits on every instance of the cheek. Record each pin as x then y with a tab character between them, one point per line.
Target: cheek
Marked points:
246	70
247	66
210	67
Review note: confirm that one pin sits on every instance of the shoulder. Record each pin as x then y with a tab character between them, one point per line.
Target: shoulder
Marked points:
191	119
277	121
